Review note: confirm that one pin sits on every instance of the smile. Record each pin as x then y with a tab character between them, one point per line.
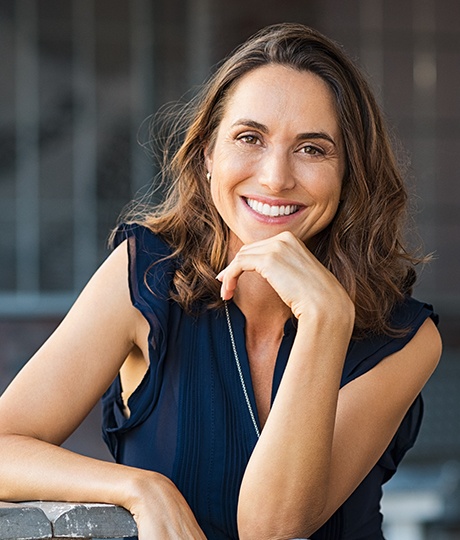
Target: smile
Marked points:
272	211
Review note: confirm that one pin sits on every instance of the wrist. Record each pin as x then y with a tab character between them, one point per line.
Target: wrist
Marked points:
138	486
333	316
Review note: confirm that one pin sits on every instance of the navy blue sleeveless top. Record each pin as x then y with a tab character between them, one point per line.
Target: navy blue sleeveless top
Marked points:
189	419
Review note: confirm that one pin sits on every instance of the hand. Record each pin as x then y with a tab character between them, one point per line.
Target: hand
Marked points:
161	511
300	280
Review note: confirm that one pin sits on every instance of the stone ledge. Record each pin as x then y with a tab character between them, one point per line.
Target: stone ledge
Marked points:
37	520
19	522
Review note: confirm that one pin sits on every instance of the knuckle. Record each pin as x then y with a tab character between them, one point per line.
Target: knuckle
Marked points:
286	236
238	258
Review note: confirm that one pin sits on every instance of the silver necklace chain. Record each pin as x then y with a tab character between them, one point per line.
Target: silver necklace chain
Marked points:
240	372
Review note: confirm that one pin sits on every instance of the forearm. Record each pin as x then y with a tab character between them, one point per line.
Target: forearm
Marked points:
33	469
286	482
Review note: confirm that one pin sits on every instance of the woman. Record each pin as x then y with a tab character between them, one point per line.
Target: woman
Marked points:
274	401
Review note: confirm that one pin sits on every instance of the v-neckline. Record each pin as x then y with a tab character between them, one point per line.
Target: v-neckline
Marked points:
238	321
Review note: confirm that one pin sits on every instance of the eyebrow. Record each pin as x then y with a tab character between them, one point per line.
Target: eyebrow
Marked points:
264	129
251	123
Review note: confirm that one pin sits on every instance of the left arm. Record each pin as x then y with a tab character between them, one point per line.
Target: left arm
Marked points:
295	479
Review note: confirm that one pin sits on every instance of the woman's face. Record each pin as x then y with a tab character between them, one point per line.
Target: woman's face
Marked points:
277	161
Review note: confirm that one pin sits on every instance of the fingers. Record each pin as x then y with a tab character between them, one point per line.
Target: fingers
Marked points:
166	515
229	281
276	259
248	259
170	531
300	280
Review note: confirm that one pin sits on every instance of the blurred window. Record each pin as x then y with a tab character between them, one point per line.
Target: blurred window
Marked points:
76	86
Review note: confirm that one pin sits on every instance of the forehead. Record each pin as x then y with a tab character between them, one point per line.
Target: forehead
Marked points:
274	92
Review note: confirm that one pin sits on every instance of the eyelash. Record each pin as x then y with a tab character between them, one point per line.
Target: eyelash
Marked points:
246	136
252	139
316	151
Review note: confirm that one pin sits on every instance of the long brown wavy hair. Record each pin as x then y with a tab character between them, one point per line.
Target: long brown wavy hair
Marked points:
363	246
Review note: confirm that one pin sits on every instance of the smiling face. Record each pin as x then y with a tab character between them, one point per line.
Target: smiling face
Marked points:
277	161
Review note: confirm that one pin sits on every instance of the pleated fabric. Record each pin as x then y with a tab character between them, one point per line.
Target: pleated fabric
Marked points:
189	419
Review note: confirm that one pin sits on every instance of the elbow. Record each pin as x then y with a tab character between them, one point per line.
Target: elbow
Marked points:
275	531
7	451
284	523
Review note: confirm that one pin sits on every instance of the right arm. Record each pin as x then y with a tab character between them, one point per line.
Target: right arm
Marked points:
56	390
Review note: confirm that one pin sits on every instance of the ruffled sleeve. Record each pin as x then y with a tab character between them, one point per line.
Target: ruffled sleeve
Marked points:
150	274
364	354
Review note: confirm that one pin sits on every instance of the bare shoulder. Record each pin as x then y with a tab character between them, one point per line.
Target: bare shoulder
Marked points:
401	375
65	378
372	406
427	344
415	362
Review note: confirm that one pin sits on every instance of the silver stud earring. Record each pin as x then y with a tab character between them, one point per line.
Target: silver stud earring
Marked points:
208	176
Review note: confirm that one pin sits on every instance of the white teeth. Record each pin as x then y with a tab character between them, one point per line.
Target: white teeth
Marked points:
272	211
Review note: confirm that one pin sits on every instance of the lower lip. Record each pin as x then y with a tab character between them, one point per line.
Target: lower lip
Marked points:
273	220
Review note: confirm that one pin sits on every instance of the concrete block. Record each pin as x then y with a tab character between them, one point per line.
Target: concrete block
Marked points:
19	522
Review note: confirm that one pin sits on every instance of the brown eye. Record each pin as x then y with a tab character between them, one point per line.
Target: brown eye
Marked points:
312	150
249	139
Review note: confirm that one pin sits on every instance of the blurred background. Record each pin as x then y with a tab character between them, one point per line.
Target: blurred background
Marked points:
78	82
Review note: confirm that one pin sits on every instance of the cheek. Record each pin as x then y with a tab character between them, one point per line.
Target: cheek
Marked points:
326	194
232	164
220	193
327	188
335	198
215	196
229	170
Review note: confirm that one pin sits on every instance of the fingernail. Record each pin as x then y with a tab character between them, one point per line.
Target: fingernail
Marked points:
219	275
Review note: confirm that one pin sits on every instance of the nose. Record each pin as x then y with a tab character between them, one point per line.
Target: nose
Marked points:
276	174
